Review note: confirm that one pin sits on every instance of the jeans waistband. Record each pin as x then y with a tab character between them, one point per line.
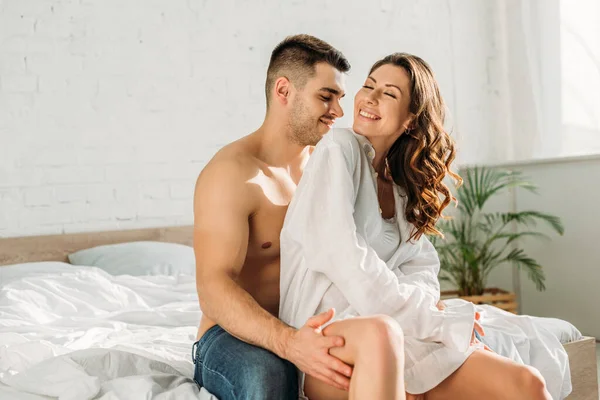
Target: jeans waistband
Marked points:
212	331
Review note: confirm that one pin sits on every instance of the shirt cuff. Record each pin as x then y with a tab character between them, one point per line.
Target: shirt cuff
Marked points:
457	328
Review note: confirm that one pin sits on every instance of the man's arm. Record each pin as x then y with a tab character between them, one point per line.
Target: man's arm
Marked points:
222	205
221	229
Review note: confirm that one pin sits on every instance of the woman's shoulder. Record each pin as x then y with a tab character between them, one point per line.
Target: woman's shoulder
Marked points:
343	138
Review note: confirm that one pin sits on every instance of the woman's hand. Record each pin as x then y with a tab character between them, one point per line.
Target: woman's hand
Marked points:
440	305
479	329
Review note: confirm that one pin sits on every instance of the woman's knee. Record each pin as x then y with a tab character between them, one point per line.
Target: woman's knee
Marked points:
386	327
384	332
531	382
376	337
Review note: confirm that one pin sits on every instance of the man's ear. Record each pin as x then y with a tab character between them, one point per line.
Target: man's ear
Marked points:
282	90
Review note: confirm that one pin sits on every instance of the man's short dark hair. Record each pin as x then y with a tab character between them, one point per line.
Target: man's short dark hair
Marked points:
295	58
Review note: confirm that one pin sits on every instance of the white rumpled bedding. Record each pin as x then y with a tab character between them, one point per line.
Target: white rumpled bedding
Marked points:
532	341
72	332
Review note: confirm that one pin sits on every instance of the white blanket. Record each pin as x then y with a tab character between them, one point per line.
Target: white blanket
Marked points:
532	341
72	332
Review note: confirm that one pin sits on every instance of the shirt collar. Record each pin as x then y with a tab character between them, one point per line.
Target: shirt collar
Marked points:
366	146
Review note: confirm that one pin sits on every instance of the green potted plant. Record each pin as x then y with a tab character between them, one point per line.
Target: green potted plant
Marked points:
476	241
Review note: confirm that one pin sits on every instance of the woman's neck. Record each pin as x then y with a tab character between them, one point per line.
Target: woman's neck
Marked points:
381	150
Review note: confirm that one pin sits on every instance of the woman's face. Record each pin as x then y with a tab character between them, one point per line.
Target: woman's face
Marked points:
381	105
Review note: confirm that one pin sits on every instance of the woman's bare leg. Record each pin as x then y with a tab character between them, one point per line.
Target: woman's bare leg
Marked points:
486	375
375	347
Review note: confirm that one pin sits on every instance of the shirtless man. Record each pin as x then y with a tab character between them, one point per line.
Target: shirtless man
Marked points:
243	350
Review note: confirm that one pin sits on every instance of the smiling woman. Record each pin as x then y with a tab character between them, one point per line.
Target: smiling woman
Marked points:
400	95
355	239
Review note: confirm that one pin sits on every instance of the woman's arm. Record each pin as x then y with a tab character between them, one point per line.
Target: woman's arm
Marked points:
422	268
320	219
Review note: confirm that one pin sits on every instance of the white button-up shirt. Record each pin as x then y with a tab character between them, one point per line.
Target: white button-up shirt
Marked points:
331	256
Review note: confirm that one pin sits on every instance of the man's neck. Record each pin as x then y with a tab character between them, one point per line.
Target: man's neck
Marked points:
277	149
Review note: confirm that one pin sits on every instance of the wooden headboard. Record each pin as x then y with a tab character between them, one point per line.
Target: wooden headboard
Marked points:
58	247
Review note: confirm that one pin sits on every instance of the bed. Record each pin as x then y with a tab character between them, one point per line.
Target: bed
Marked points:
148	352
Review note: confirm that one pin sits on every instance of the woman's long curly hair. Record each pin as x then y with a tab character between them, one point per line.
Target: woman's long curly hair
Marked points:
420	158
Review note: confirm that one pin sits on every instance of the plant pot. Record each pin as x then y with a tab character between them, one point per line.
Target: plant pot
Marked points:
492	296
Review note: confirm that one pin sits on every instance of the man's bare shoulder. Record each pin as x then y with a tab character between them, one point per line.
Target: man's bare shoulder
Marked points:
228	172
236	160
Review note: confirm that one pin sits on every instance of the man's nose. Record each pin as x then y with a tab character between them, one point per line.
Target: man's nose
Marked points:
337	111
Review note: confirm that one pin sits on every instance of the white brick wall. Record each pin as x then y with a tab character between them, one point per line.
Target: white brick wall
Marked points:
110	108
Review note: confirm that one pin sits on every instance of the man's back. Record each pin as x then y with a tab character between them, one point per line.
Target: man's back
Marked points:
265	192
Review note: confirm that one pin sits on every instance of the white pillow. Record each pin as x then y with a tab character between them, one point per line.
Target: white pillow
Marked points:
13	272
139	258
563	330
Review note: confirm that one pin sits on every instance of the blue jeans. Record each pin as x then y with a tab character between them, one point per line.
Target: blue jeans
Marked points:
233	370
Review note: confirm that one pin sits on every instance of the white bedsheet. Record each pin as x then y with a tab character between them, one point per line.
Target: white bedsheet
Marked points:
72	332
532	341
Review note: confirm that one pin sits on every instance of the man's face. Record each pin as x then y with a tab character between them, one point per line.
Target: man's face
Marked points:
315	107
